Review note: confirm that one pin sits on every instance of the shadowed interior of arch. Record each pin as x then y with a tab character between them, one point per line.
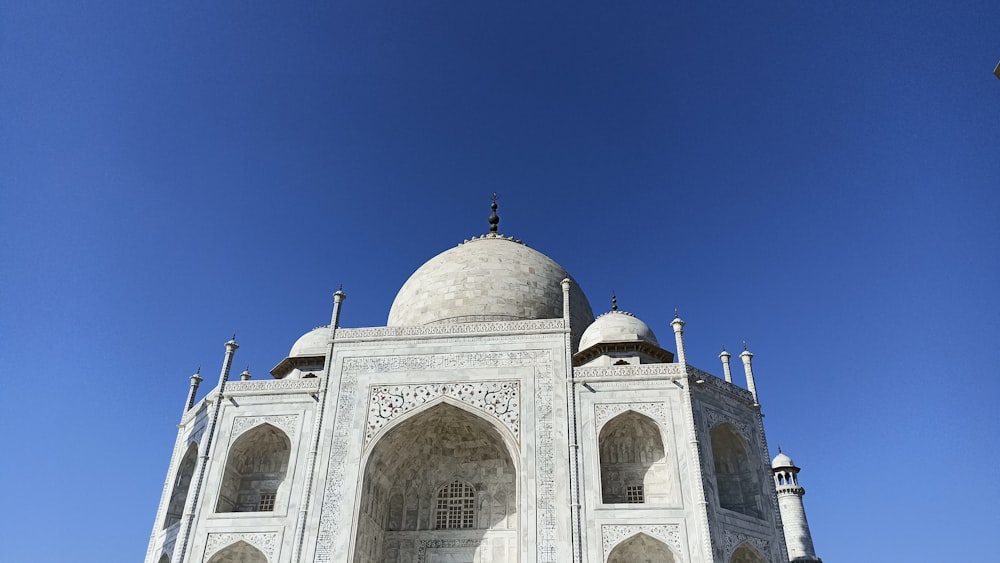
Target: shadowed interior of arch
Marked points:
178	496
255	469
439	486
738	487
633	460
746	554
239	552
641	548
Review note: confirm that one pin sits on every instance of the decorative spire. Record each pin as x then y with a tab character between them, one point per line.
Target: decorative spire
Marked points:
614	301
744	345
676	314
494	218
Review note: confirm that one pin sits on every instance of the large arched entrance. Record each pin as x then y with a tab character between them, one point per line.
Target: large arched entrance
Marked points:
441	486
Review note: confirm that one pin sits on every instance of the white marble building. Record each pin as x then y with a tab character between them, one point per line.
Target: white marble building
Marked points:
492	419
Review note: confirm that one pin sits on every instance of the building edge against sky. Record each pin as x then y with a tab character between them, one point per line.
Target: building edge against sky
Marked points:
493	419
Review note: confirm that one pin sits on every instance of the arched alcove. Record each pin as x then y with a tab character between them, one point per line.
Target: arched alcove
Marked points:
633	460
747	554
641	548
255	469
442	484
239	552
178	496
735	480
164	559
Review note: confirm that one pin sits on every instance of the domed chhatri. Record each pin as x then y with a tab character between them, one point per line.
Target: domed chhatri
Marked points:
312	343
617	326
619	338
490	278
782	460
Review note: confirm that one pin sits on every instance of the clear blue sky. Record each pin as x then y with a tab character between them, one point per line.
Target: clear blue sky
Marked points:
818	178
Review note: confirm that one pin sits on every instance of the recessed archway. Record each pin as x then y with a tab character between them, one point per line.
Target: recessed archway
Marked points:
443	480
255	469
633	460
178	496
737	484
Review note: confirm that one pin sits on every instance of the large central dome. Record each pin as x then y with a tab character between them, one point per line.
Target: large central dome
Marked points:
490	278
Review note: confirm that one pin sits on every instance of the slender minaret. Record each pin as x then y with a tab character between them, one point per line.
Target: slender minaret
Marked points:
793	513
193	390
678	325
724	356
746	356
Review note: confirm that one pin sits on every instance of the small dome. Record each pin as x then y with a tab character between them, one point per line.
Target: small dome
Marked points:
617	326
490	278
782	460
312	343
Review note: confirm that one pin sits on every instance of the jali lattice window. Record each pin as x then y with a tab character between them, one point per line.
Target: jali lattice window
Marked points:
266	503
455	507
634	494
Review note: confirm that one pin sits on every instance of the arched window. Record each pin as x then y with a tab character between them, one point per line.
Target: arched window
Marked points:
736	483
641	548
747	554
633	460
178	496
239	552
256	467
455	507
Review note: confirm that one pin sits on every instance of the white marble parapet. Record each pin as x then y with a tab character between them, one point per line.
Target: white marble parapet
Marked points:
721	384
668	371
272	386
641	370
450	330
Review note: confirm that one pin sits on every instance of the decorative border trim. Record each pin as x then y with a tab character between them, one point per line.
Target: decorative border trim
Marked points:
500	399
442	329
545	513
288	423
272	385
425	544
714	418
606	411
266	542
426	362
614	534
630	370
734	540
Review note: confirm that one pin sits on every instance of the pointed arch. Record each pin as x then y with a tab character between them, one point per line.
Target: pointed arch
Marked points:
509	439
633	460
746	553
255	470
182	482
164	559
736	482
443	473
641	548
239	552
